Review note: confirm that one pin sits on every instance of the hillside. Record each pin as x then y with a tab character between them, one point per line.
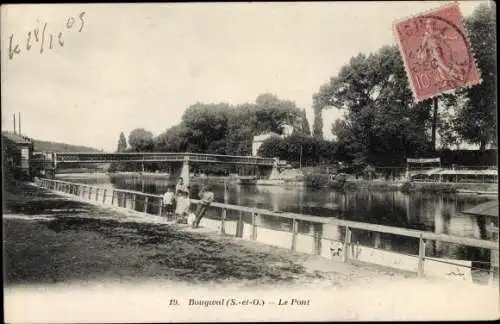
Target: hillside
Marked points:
61	147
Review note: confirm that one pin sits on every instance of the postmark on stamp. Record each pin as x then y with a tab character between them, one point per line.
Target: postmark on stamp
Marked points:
436	52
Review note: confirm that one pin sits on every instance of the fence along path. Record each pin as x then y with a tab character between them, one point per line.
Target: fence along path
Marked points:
344	250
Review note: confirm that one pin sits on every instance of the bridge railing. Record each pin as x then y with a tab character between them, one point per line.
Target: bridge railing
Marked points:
293	231
157	156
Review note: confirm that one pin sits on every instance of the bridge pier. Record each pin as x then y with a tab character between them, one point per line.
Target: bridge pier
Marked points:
181	171
270	173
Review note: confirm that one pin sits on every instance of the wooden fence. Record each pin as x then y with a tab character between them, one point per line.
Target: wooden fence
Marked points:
152	204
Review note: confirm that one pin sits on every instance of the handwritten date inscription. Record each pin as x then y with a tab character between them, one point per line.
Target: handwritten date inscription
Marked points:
40	37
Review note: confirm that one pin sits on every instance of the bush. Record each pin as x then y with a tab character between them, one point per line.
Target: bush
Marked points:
408	187
317	180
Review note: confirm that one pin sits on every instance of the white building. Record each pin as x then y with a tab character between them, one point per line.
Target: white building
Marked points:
259	139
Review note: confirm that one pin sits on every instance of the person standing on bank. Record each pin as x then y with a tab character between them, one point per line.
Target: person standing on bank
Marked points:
207	197
180	186
168	201
182	207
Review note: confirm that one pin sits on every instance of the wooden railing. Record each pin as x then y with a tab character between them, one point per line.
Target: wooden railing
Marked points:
152	204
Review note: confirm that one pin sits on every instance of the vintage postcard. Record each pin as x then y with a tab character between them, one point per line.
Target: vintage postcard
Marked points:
249	162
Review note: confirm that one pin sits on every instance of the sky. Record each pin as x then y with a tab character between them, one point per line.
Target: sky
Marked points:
126	66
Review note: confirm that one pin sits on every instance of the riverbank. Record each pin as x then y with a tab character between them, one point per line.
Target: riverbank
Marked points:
322	181
88	253
406	186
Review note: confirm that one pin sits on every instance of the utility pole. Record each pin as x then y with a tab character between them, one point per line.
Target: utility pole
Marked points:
19	121
434	123
14	122
300	158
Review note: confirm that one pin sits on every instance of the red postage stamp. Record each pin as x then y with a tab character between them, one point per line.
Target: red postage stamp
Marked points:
436	51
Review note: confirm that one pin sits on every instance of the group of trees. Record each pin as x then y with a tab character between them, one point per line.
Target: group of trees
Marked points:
225	129
300	148
382	122
220	128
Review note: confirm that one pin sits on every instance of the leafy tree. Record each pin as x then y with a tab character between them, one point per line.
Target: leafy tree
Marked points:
299	147
476	119
272	147
241	130
141	140
173	139
206	127
271	113
381	119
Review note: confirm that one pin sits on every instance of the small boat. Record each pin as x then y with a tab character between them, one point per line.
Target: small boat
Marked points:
247	180
278	182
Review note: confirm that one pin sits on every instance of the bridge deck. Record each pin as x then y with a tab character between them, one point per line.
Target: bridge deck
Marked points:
86	157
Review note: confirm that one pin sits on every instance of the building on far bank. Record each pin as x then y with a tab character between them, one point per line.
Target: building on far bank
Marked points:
17	151
259	139
287	130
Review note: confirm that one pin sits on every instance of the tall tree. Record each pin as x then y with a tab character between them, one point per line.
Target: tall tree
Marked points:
122	143
476	120
305	128
318	122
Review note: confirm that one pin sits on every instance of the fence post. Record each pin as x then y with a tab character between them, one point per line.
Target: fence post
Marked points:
90	192
96	194
239	226
421	256
222	221
224	210
347	243
295	228
134	201
160	206
104	196
112	196
254	226
146	204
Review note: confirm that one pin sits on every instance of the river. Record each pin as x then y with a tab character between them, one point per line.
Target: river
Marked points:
438	213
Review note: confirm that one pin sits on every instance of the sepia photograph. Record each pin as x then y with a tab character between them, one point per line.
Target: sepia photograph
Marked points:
249	162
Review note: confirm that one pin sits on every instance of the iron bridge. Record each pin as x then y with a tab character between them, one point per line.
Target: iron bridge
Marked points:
71	157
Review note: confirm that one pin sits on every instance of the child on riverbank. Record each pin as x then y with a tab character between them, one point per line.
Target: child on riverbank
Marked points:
168	201
182	207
